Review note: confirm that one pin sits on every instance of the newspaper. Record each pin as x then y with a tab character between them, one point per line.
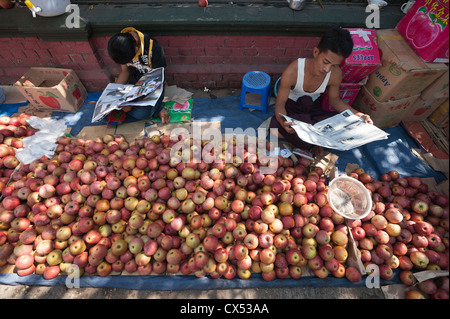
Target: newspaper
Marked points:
342	132
145	92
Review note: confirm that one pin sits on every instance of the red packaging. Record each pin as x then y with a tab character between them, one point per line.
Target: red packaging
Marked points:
347	93
365	57
425	27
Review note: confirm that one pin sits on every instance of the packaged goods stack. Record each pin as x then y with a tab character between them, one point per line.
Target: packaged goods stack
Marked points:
357	67
430	99
425	28
393	89
412	81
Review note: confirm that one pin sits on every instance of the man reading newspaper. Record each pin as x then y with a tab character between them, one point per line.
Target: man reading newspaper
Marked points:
342	132
303	82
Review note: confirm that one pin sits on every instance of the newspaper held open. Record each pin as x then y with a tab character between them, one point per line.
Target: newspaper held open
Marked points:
342	132
145	92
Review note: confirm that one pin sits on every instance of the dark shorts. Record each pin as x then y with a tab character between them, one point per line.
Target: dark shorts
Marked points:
305	110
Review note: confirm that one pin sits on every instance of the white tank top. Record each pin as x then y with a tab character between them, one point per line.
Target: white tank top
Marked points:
298	90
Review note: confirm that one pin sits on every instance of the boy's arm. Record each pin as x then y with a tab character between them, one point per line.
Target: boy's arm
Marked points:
124	74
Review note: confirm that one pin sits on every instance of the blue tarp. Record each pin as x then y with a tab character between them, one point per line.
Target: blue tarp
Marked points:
187	282
376	158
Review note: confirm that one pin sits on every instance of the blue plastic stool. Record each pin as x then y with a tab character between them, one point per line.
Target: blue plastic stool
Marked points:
277	86
256	82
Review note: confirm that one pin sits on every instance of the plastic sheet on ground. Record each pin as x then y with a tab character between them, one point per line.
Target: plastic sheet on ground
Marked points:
185	282
376	158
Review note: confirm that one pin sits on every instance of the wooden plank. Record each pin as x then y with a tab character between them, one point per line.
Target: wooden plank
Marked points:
438	136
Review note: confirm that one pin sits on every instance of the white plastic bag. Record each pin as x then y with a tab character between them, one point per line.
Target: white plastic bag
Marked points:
43	142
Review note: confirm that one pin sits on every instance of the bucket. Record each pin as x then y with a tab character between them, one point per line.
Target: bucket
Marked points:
50	8
349	197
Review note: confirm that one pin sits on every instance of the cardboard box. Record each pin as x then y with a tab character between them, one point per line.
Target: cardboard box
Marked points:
347	93
425	27
384	114
440	116
402	72
422	109
438	89
52	89
365	57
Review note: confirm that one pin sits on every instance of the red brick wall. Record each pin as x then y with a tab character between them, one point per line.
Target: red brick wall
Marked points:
17	55
212	61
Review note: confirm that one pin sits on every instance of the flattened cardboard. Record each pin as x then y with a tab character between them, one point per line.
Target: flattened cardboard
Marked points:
350	167
33	110
354	256
132	131
430	274
437	164
194	128
91	132
327	163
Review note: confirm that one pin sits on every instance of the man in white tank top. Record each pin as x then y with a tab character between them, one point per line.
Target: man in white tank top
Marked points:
305	79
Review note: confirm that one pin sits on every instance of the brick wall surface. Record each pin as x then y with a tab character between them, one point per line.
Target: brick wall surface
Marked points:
193	61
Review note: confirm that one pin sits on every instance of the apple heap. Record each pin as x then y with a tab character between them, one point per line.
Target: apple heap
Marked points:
107	205
12	130
407	228
434	288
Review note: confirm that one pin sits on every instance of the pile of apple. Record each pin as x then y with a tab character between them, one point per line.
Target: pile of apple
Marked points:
407	228
434	288
12	131
106	206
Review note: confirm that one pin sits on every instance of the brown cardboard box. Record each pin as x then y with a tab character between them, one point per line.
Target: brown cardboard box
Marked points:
52	89
384	114
422	109
438	89
403	73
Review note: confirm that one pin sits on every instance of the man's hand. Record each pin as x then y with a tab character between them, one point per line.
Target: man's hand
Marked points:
285	124
365	117
288	126
164	115
127	108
